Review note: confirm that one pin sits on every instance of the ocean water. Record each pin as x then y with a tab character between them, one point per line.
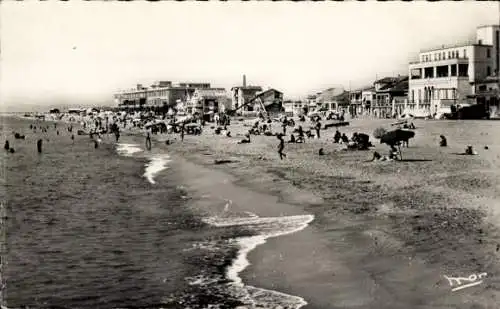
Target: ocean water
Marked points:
111	228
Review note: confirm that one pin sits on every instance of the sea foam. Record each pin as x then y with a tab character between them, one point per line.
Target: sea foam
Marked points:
127	149
264	228
155	165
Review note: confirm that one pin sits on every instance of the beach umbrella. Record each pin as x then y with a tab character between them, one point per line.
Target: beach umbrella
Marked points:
395	137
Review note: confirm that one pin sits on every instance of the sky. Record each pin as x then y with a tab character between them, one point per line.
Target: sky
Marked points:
83	52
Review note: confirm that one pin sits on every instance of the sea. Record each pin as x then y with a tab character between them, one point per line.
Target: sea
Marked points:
113	227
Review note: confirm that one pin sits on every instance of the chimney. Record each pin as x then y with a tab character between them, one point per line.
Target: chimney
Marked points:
244	80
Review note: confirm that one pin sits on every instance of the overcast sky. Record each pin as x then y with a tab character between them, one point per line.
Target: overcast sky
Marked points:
84	51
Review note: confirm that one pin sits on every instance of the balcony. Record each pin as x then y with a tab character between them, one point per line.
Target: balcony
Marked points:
421	64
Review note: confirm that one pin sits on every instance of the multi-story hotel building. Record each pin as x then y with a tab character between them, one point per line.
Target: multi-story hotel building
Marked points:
161	94
448	75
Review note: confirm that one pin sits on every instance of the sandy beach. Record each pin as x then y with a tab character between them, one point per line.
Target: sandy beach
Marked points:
385	233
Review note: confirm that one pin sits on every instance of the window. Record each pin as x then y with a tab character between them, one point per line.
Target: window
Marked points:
449	55
480	42
463	69
419	95
488	53
429	72
465	53
444	55
413	95
488	71
442	71
453	70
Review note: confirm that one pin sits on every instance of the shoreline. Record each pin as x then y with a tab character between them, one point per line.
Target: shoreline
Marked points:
418	233
390	208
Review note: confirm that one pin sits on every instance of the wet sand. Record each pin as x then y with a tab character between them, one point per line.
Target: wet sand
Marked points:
384	233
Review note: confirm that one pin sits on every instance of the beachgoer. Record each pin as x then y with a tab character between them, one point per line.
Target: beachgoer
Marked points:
148	142
285	123
246	140
345	139
292	138
281	146
321	152
182	131
12	150
470	151
393	153
376	156
337	137
96	144
318	128
39	145
7	145
73	137
443	142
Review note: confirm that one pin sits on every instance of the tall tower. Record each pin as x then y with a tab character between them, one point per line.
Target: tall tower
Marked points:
244	80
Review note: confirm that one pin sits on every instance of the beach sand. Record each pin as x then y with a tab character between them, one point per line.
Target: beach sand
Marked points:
385	233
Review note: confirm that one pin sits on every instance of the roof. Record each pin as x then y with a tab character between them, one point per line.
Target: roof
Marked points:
400	86
266	91
453	46
484	26
330	94
211	93
258	88
489	80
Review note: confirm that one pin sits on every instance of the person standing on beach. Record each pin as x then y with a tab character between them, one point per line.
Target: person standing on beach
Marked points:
6	146
182	131
318	128
39	145
281	146
285	123
148	142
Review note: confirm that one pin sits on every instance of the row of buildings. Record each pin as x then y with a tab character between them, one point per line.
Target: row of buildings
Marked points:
191	98
440	80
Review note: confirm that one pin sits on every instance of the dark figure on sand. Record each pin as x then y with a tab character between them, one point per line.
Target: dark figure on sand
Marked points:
182	131
318	128
337	137
39	145
73	138
6	145
246	140
443	142
96	144
321	152
148	142
281	146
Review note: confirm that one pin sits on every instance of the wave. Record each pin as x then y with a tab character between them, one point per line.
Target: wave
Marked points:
127	149
264	228
155	165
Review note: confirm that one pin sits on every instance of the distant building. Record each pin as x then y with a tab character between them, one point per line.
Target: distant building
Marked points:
447	76
361	101
159	95
271	100
391	95
331	99
208	101
488	93
240	95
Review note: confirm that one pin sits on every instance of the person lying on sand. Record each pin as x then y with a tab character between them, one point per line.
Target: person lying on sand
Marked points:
246	140
378	157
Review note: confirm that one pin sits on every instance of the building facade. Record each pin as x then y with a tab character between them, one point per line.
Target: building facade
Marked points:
446	77
271	100
161	94
208	101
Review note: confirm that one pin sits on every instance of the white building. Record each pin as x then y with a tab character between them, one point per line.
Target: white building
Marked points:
447	76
